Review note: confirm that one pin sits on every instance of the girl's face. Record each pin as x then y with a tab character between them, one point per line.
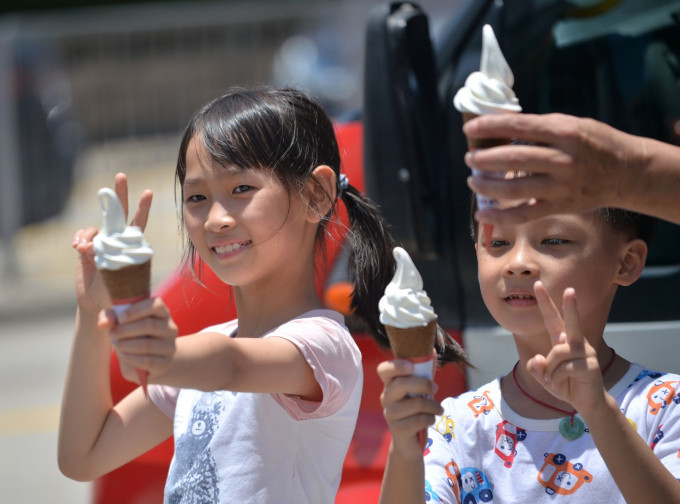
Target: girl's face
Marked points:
562	251
243	223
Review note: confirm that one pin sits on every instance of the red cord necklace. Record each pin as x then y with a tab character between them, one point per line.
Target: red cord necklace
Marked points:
574	427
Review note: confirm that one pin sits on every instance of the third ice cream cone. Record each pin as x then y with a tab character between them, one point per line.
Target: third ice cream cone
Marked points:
413	341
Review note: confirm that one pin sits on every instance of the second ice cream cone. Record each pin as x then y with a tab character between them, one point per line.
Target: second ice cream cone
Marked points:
412	342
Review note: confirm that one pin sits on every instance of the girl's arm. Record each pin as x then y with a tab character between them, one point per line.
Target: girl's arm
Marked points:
404	477
94	435
571	373
210	361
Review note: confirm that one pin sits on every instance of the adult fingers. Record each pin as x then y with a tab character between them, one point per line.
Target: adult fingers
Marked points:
545	128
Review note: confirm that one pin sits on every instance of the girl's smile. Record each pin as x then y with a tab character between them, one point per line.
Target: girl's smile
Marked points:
243	222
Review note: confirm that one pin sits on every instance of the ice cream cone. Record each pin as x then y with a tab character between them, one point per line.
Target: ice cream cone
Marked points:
123	258
412	342
129	284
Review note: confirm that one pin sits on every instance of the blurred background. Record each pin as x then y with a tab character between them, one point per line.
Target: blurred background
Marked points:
91	88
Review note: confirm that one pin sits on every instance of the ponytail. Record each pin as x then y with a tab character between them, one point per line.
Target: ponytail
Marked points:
371	268
371	264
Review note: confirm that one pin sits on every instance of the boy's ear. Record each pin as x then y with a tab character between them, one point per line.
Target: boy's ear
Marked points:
321	192
633	258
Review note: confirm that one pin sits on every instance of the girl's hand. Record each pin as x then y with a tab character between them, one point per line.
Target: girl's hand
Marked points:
143	337
90	290
407	406
570	371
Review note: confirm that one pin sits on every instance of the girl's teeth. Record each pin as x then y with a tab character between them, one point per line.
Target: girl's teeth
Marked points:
228	248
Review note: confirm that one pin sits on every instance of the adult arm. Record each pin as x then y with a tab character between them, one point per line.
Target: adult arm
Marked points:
576	164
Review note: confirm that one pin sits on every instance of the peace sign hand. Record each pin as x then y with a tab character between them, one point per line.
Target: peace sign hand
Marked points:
90	291
571	371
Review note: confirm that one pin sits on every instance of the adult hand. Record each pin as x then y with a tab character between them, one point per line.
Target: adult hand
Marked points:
407	406
575	165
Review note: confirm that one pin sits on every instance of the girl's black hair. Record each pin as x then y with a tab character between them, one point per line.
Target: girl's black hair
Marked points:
288	132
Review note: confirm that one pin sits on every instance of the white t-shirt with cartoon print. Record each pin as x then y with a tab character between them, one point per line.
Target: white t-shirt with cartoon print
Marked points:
233	447
481	451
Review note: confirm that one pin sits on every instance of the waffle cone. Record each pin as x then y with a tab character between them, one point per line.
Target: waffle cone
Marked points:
481	143
131	282
412	342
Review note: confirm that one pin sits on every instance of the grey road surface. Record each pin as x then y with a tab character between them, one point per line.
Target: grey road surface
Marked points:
33	357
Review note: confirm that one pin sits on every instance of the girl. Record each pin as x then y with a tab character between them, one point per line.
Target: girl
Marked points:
572	421
263	407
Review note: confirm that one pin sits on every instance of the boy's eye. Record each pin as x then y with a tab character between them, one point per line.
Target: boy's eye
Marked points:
555	241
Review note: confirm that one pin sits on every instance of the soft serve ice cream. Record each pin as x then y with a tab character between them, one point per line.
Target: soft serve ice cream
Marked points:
118	245
123	258
405	303
488	91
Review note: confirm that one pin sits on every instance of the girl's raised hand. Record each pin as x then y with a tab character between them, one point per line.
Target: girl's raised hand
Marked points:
407	406
143	336
570	371
90	291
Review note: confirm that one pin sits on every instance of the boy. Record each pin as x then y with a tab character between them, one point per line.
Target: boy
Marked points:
572	418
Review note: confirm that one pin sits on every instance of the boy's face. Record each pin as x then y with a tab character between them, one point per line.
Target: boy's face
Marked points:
578	251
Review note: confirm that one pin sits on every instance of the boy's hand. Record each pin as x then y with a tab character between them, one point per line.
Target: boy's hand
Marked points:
143	337
570	371
407	406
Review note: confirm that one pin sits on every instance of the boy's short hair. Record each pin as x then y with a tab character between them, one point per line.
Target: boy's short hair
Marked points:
631	224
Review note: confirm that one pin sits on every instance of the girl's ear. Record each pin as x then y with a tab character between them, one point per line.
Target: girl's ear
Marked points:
634	255
321	189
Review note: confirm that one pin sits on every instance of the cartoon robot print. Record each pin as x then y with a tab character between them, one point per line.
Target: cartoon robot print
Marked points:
475	486
193	470
481	404
507	438
559	476
662	394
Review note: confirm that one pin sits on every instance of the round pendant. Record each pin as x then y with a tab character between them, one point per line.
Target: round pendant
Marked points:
571	428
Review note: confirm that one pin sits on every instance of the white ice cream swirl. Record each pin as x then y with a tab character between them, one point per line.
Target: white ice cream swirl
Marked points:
118	245
405	303
488	91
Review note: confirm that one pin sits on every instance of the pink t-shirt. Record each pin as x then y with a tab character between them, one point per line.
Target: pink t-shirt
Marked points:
236	446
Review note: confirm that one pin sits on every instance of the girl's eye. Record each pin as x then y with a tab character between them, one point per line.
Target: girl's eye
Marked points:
498	243
194	198
242	188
